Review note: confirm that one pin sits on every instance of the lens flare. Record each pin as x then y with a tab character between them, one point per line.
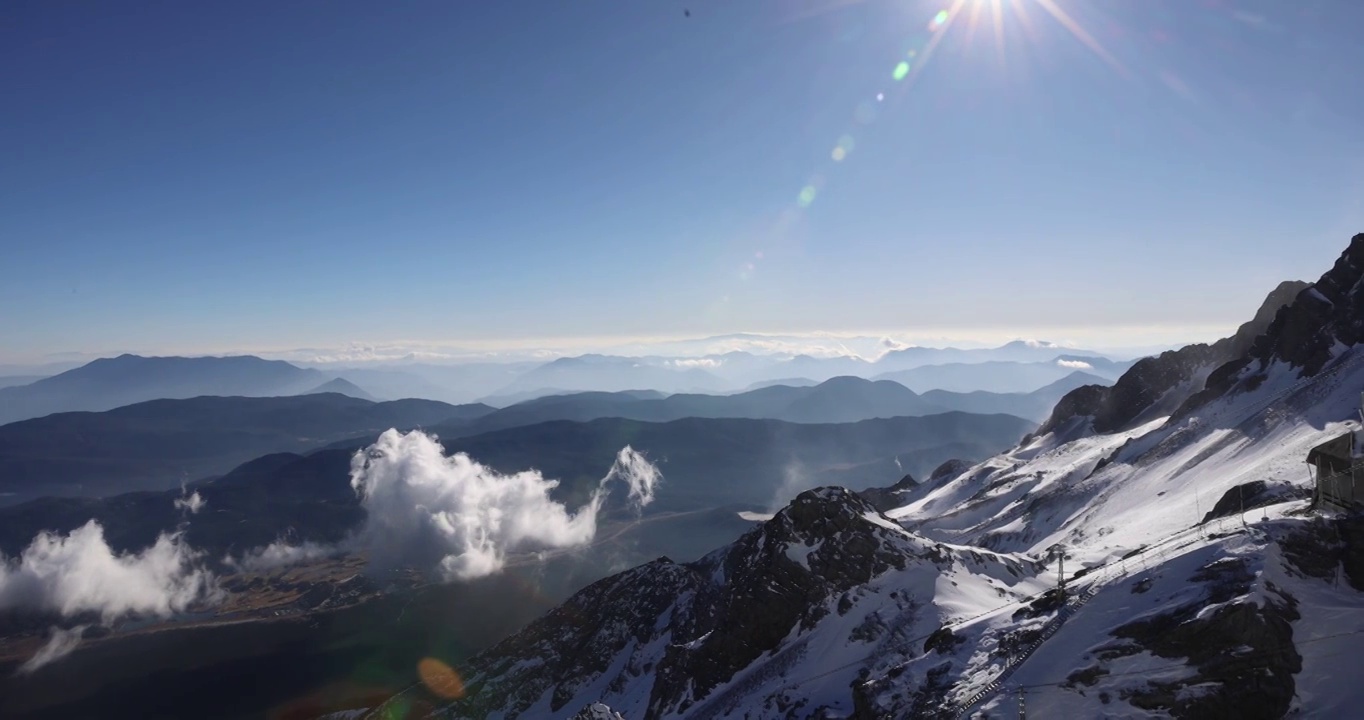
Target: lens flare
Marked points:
839	154
940	18
440	678
901	71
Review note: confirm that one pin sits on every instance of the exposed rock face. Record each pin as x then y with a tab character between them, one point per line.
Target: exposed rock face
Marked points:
693	626
1161	384
951	468
1242	651
1305	335
597	711
884	499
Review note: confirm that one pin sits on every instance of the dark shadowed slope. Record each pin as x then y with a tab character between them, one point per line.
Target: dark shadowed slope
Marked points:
1159	385
160	443
765	462
113	382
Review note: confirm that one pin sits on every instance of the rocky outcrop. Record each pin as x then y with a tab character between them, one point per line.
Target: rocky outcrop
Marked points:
597	711
949	469
1241	651
693	626
1306	334
1161	384
884	499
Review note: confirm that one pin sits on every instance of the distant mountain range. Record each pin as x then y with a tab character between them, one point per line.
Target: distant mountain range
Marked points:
1003	376
841	399
15	380
160	443
108	383
1018	366
155	444
706	463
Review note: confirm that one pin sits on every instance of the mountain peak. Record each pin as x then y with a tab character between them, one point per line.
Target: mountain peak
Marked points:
340	386
1164	383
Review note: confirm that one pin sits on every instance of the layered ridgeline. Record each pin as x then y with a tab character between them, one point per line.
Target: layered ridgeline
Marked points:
163	443
837	400
1199	582
113	382
708	464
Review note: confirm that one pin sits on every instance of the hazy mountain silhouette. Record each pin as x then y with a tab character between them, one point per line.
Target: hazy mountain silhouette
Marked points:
112	382
841	399
1002	376
160	443
1022	351
341	386
398	383
1036	405
17	380
611	373
731	371
793	382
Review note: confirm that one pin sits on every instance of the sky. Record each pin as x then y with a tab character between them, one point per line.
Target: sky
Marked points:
253	176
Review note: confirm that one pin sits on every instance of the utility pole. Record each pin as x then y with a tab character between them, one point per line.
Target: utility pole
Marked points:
1198	512
1059	552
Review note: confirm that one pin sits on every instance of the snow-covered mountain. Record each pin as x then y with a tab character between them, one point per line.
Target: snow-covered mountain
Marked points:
1200	582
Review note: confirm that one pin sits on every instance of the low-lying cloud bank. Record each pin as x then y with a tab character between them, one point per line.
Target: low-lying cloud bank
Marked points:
463	518
80	573
281	554
423	510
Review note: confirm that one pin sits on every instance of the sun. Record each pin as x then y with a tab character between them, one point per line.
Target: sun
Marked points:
979	13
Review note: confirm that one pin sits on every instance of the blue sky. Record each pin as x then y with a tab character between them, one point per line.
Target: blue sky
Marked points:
180	177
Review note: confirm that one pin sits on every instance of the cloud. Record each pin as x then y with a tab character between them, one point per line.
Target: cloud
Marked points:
80	573
193	503
794	481
280	554
1075	364
639	475
462	518
690	363
61	644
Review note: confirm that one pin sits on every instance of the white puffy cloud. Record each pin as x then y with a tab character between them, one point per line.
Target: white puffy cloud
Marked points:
640	476
280	554
193	503
79	573
61	644
463	518
1075	364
